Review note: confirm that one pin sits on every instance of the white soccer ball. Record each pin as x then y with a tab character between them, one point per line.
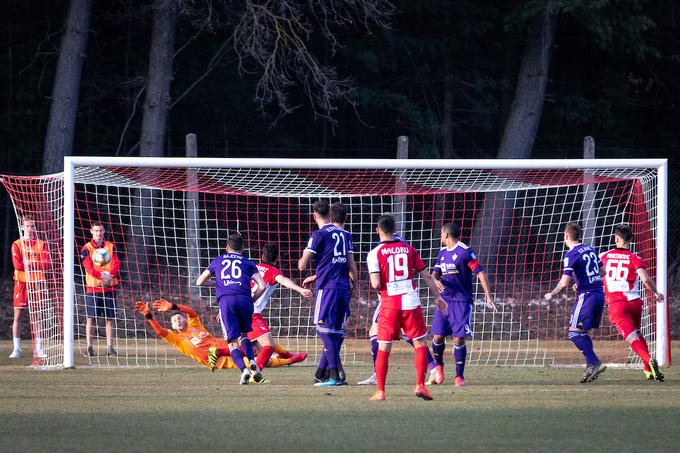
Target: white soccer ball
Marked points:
101	257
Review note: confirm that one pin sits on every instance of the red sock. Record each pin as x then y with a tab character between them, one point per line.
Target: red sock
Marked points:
382	363
263	356
421	364
222	352
640	348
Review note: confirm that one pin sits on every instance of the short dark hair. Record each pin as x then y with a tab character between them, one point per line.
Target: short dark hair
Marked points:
235	242
94	224
573	230
27	218
270	252
338	212
452	229
387	224
624	231
321	207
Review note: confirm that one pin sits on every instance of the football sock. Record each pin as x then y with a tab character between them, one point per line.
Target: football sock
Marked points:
330	349
430	360
438	352
38	344
645	365
248	348
382	364
421	364
584	344
459	355
276	362
219	352
237	357
374	348
17	343
264	356
641	350
284	354
338	339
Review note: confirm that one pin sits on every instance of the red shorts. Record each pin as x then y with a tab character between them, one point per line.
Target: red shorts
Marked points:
393	320
626	316
260	327
20	294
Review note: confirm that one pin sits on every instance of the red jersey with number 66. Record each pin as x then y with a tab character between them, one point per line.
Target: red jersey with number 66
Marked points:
397	262
621	282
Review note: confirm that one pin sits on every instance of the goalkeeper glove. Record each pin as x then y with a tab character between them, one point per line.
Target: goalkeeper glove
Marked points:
143	308
163	305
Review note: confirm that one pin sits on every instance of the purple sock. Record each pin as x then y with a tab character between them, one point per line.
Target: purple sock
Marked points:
584	344
248	348
430	360
459	354
237	357
374	348
330	349
438	352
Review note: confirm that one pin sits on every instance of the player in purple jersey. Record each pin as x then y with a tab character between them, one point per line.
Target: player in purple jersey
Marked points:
233	273
331	248
582	264
453	272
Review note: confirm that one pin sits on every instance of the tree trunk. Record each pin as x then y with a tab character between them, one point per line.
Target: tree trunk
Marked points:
64	109
491	236
159	78
525	114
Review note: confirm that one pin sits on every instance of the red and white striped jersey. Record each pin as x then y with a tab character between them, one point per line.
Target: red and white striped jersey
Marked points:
269	274
397	263
621	282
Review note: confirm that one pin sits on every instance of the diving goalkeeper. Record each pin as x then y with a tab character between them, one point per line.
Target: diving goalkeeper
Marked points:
190	336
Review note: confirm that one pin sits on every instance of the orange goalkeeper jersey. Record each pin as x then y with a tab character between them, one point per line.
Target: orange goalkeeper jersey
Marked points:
195	341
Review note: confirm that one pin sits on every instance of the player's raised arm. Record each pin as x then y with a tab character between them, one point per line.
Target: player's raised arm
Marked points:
164	305
288	283
144	309
204	277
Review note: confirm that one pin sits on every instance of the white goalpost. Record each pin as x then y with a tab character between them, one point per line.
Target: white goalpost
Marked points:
168	217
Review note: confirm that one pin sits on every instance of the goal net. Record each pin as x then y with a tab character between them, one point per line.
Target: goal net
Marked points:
169	217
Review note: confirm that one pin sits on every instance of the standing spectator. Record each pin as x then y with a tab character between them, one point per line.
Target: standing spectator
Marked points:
30	259
102	267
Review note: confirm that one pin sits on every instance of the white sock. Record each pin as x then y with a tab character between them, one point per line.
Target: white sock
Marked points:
17	343
38	344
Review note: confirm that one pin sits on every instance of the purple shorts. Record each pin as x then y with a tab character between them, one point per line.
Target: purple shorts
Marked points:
331	310
587	311
455	322
237	315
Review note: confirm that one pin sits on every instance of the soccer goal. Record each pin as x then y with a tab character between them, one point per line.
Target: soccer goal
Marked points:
168	217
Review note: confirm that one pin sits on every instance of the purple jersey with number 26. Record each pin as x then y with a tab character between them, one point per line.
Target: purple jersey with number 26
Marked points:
232	275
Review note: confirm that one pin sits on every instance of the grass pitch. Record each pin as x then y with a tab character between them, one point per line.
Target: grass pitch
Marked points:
192	409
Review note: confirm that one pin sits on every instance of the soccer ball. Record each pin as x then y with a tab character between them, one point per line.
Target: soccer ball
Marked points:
101	257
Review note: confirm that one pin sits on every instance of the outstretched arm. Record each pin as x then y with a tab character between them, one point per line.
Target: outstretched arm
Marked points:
143	308
649	283
288	283
164	305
